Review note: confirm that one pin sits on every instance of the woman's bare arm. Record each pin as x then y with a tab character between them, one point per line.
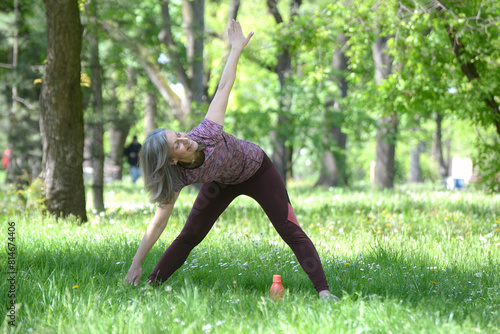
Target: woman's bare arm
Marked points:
217	109
153	233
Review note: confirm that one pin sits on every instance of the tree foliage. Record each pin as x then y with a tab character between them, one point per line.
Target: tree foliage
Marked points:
445	60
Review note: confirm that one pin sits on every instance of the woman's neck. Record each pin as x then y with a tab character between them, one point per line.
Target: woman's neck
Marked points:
194	161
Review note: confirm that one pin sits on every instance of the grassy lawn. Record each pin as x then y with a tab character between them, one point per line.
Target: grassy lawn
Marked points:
408	261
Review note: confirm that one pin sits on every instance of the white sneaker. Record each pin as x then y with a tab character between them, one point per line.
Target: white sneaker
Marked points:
326	295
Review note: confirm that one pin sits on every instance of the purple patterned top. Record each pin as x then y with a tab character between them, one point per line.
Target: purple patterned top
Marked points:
228	160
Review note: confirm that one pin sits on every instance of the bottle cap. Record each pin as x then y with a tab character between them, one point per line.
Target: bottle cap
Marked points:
276	278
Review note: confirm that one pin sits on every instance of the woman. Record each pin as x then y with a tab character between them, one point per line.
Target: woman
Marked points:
227	167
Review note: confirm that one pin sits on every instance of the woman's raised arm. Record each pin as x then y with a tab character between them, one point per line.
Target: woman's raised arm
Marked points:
217	109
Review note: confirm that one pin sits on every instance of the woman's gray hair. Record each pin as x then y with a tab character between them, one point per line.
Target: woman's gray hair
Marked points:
160	177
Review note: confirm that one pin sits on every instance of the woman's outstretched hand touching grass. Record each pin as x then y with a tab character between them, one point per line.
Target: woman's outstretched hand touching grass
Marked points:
133	276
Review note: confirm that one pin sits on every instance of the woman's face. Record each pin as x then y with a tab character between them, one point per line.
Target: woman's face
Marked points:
180	146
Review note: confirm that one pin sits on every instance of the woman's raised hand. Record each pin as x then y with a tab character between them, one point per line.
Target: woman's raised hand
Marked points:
236	37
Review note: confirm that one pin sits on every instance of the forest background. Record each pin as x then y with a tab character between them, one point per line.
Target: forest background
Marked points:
339	93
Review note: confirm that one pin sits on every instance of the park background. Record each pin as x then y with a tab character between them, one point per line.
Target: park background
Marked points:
362	105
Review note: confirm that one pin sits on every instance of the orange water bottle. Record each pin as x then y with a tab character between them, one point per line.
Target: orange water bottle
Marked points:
277	290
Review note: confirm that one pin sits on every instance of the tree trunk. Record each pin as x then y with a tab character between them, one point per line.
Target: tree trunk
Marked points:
61	115
120	126
333	170
97	129
234	7
14	170
438	148
190	75
193	14
281	155
150	121
415	175
387	126
385	154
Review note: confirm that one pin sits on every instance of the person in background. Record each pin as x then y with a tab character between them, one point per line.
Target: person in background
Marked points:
5	158
227	167
132	153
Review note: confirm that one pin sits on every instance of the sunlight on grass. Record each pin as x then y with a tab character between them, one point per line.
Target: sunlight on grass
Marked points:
407	260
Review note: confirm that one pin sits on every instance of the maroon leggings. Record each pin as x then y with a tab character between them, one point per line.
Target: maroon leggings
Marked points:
268	189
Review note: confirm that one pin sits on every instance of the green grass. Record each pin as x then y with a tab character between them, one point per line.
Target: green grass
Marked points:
408	261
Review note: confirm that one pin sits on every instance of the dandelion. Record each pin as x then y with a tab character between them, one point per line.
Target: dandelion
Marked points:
478	274
76	286
433	282
168	288
347	263
276	249
379	231
256	243
388	224
261	233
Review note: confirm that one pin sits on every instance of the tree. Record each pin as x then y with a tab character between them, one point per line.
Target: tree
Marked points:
61	114
150	121
333	170
282	151
387	125
443	166
19	55
13	170
459	52
96	126
120	122
189	73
